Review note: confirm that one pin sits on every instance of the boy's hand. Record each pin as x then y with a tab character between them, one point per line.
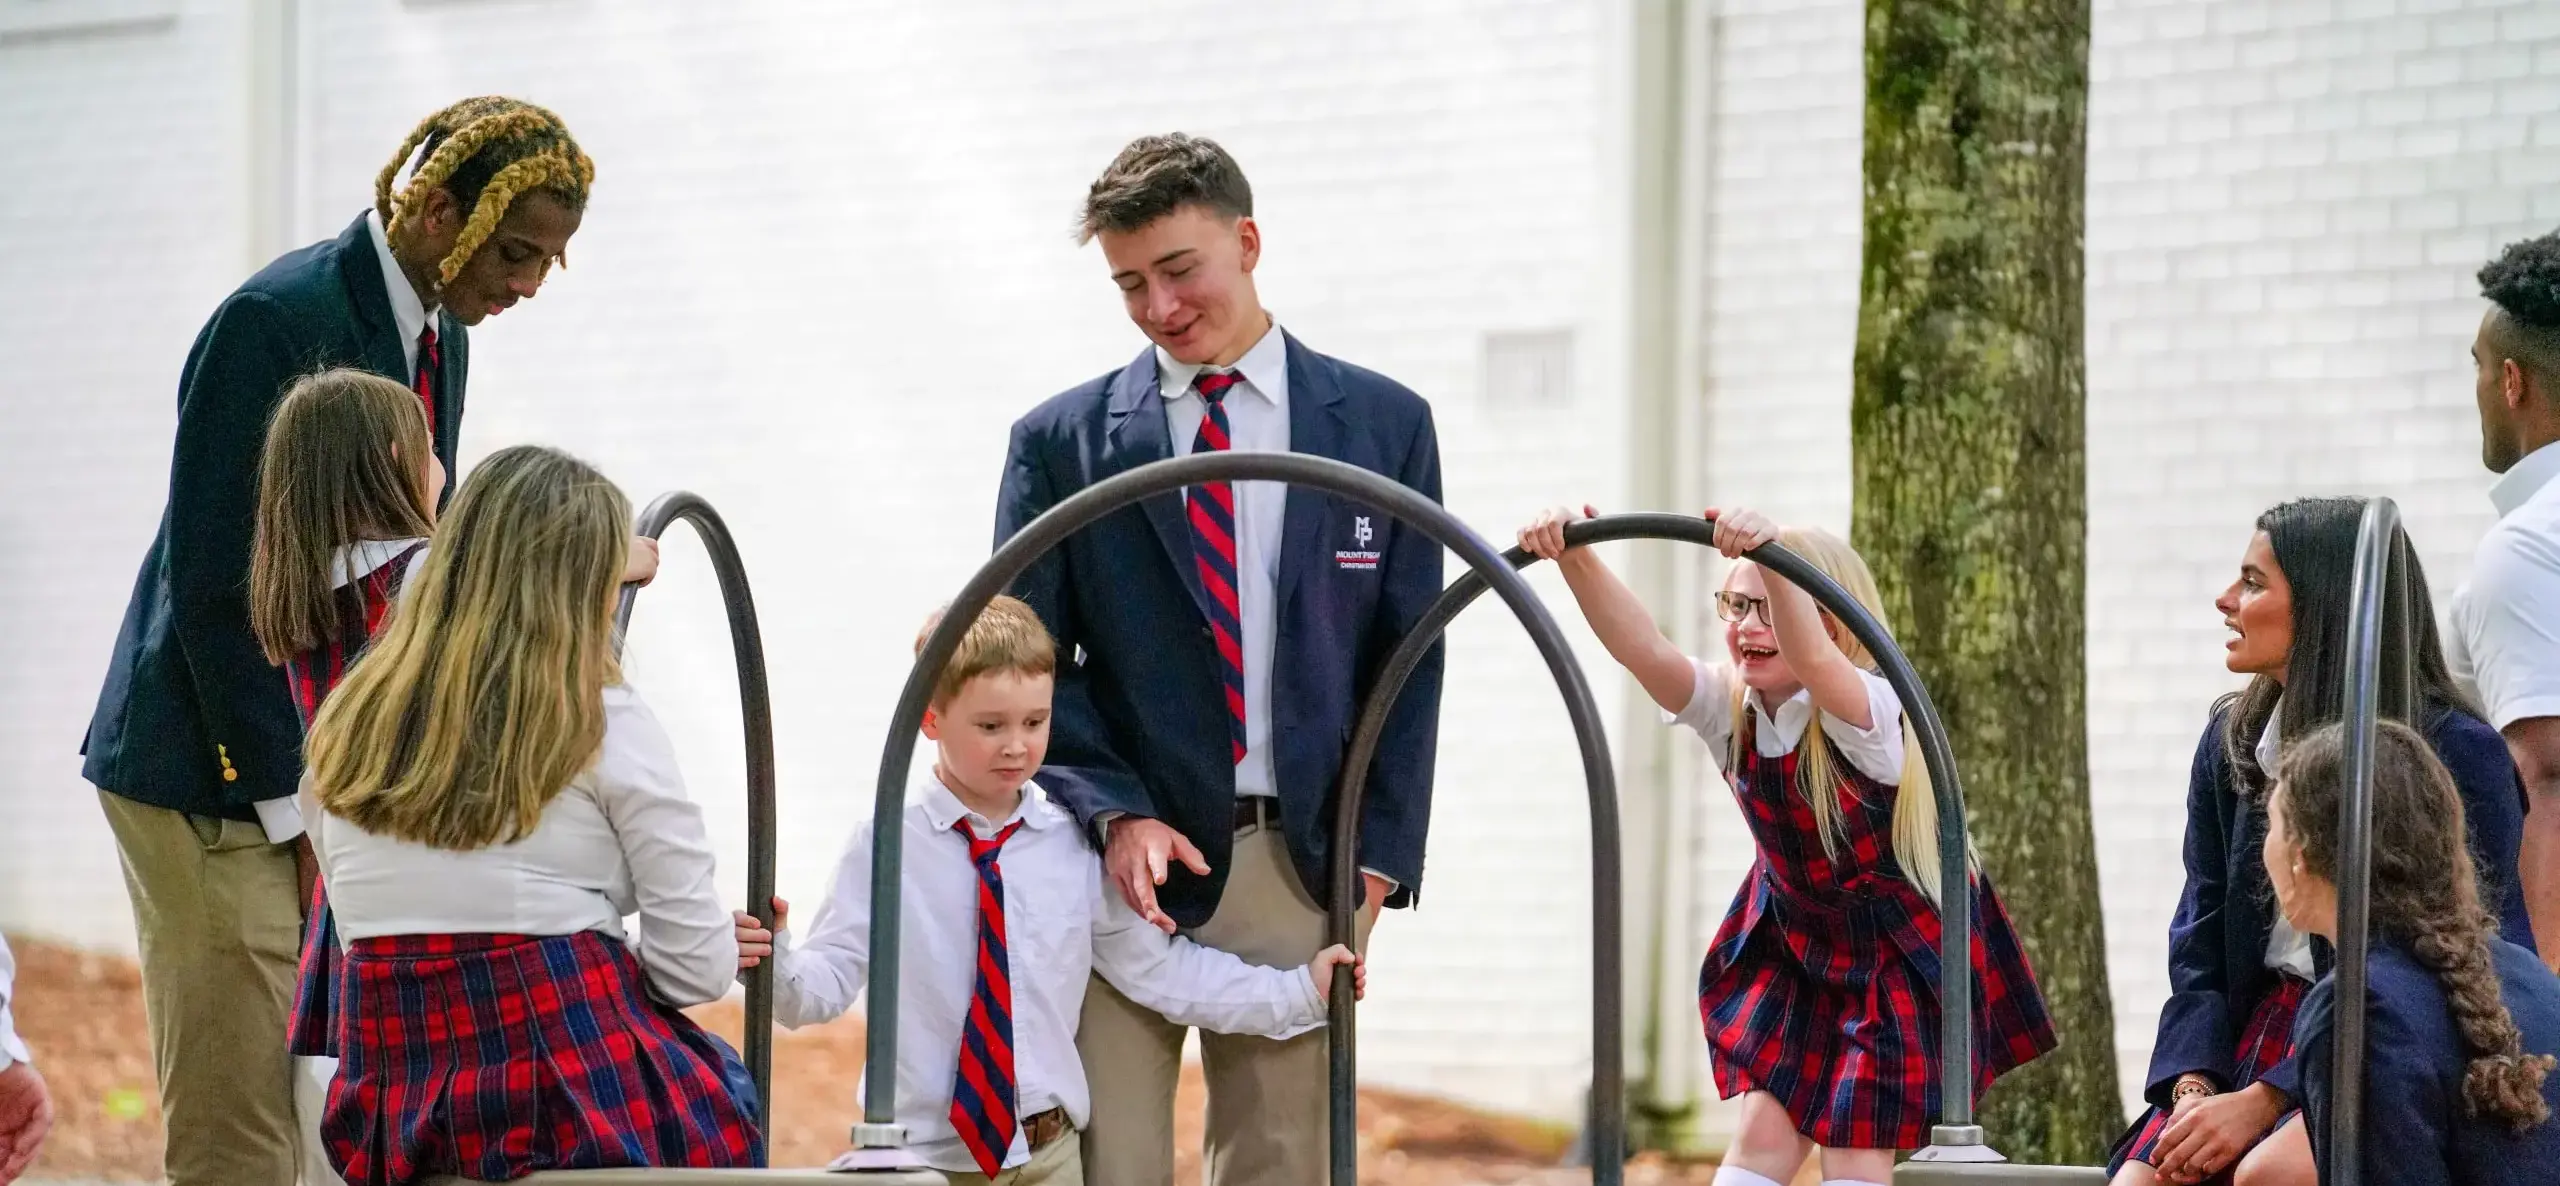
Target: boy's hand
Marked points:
642	565
1739	530
755	942
1140	853
1544	536
1334	957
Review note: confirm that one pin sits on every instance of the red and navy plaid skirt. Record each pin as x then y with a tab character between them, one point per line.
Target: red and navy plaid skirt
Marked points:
1822	986
495	1056
2264	1042
312	1028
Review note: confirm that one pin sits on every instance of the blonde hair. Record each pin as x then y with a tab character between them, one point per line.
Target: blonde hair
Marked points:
344	462
1915	803
1007	637
485	151
484	697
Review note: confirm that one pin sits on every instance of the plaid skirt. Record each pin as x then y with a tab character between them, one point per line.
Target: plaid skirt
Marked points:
311	1030
2264	1042
1834	1010
495	1056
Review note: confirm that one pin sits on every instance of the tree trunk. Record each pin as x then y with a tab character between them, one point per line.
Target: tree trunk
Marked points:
1967	430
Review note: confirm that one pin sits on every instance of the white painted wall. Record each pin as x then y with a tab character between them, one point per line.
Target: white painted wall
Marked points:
828	262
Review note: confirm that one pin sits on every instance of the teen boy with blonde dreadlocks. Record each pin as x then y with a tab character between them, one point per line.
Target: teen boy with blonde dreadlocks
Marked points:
196	746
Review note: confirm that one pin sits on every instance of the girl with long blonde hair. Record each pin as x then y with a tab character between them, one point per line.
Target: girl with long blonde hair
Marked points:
488	803
1820	992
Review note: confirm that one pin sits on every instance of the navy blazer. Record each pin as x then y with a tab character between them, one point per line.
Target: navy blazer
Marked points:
188	685
2417	1131
2218	940
1141	723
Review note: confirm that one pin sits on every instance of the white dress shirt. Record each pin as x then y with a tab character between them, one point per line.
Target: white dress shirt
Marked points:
2504	647
12	1050
2288	950
1876	751
281	817
1257	421
407	311
620	839
1063	924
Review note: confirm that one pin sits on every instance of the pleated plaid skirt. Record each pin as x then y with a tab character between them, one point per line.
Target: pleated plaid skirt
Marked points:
2265	1041
1821	988
495	1056
311	1030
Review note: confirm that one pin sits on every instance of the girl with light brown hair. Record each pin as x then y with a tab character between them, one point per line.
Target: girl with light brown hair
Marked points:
489	802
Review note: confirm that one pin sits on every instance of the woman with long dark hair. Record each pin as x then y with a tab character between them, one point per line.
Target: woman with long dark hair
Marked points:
2460	1025
2223	1078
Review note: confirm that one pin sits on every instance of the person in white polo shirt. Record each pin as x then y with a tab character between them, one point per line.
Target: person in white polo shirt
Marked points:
26	1112
2505	641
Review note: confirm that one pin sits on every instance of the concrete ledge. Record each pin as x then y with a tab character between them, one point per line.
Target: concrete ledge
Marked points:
1995	1173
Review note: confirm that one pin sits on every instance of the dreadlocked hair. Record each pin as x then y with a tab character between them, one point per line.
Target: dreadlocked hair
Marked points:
486	152
2425	893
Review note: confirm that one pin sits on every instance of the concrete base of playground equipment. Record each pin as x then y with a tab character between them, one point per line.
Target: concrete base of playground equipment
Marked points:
1995	1173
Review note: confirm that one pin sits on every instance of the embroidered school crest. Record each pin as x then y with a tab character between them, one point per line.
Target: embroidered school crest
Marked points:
1358	557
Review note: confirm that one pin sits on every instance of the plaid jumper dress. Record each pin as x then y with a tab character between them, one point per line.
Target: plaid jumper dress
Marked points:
311	1029
1822	985
495	1056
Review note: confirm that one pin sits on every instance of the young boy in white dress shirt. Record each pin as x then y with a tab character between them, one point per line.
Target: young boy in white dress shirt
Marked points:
1005	916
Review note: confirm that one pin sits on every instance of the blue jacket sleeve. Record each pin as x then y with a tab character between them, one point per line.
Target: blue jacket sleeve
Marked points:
234	380
1083	769
2493	806
2197	1032
1395	813
2405	1106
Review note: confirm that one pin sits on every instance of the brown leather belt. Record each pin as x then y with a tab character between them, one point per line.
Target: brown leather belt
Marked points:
1257	811
1040	1129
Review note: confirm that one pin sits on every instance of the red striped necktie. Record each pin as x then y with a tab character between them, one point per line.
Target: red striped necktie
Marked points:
1213	549
430	360
982	1099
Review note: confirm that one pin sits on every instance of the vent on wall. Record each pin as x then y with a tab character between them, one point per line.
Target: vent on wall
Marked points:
1528	368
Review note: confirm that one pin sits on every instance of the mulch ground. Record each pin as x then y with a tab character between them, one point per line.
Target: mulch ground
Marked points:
83	1015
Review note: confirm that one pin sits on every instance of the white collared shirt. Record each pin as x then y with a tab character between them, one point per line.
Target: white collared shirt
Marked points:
620	839
2504	647
1257	420
2288	950
12	1049
1876	751
407	311
1062	922
281	817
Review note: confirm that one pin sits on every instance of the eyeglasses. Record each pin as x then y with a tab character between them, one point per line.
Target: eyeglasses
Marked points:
1734	607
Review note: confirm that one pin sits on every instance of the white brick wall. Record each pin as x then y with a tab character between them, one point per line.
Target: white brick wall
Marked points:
827	263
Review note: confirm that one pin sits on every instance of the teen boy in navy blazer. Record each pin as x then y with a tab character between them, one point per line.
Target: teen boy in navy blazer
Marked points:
195	746
1223	639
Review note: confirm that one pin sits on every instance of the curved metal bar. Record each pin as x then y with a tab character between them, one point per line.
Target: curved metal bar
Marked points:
2370	601
1956	926
1163	477
756	704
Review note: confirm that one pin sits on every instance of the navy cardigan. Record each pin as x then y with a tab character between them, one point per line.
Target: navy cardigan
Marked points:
2218	940
2417	1131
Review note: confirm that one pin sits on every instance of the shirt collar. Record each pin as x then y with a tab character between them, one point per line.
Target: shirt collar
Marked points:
944	809
407	311
1265	369
2269	743
1798	706
2525	479
358	560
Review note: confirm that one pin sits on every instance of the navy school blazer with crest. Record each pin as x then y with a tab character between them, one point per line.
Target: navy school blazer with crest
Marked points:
2218	939
188	688
1140	724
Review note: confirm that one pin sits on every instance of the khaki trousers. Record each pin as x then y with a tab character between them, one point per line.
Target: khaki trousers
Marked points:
214	907
1267	1122
1058	1163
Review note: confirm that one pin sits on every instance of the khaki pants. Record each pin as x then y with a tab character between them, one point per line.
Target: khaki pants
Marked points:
1056	1164
214	907
1267	1122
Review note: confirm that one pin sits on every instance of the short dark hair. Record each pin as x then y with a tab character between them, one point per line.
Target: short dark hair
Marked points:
2524	283
1157	175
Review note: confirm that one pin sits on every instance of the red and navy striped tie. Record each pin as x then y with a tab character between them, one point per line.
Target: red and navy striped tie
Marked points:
1213	548
982	1101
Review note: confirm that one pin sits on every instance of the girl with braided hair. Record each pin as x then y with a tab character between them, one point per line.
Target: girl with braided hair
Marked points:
2461	1025
196	744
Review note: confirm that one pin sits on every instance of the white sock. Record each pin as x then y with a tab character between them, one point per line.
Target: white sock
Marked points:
1849	1182
1734	1175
